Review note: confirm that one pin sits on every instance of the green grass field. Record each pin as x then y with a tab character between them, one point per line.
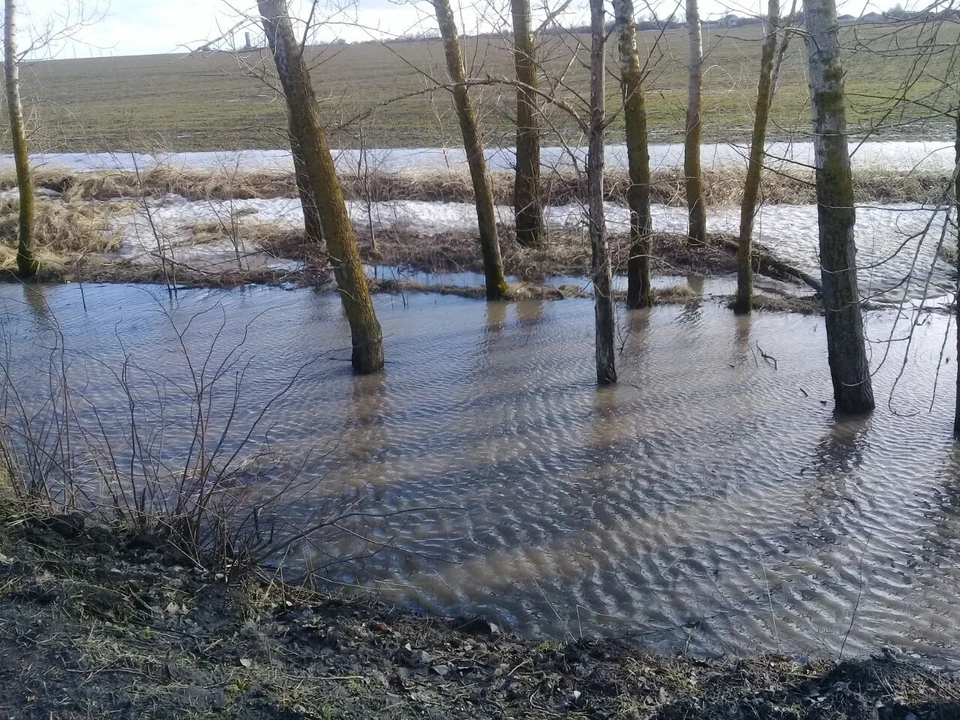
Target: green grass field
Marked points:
221	101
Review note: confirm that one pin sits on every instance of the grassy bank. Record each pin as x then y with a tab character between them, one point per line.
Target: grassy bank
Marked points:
210	101
75	240
96	622
721	187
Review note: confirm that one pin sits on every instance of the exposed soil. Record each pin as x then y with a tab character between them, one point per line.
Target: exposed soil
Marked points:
102	623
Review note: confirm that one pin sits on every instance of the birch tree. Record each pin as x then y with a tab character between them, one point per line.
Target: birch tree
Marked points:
528	210
496	284
600	254
26	251
639	292
751	190
849	368
693	173
324	186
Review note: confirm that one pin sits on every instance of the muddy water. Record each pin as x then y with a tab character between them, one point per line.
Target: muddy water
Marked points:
709	500
897	244
893	155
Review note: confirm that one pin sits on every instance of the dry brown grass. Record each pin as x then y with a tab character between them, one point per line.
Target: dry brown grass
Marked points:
565	253
721	187
65	231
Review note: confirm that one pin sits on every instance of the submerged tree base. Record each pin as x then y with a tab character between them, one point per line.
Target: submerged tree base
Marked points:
99	623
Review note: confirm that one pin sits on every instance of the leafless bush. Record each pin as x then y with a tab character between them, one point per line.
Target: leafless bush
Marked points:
179	453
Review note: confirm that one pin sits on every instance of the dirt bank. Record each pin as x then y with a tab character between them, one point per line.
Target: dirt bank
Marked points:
101	623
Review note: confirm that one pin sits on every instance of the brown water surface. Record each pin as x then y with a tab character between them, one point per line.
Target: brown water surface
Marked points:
710	499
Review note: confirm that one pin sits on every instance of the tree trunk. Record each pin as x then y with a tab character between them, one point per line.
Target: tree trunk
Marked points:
26	259
528	210
602	281
696	211
324	187
639	292
751	189
311	217
849	369
956	196
486	215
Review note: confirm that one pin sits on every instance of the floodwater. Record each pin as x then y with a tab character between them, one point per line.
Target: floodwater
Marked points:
888	155
710	500
897	244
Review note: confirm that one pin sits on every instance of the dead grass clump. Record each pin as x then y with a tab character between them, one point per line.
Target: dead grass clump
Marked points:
160	180
218	185
564	253
63	231
722	186
207	231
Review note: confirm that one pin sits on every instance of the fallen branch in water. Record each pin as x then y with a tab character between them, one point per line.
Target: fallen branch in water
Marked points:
762	257
768	358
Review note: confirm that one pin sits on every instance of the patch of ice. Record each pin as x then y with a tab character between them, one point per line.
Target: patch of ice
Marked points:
890	155
896	244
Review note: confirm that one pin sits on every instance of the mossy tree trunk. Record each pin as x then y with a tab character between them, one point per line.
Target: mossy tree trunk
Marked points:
324	187
639	292
602	280
496	285
956	196
751	189
849	368
527	201
26	257
693	173
313	229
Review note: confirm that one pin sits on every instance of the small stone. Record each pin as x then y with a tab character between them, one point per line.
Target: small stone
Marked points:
441	670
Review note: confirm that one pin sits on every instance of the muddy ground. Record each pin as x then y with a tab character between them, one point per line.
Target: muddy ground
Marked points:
100	623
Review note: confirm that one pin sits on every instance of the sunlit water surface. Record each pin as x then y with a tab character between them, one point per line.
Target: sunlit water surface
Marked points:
709	500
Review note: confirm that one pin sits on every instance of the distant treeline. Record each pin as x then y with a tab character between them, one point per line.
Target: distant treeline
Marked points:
896	14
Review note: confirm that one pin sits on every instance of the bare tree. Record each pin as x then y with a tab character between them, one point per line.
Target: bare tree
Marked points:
849	368
697	212
602	280
751	190
325	189
528	209
639	292
496	284
956	196
26	258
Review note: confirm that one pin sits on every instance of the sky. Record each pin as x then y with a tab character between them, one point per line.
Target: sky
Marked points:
135	27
